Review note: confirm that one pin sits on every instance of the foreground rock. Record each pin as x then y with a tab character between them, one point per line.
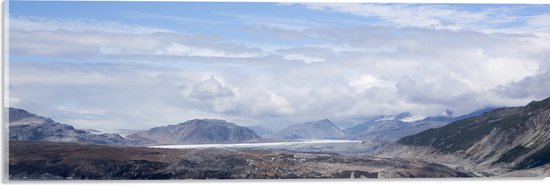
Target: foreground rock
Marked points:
54	160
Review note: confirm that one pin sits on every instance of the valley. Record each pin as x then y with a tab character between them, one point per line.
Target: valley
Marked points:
56	161
195	90
511	141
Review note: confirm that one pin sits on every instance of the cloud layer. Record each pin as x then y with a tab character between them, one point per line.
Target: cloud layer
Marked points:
106	74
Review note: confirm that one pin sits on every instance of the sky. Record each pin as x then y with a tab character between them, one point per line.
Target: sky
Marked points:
137	65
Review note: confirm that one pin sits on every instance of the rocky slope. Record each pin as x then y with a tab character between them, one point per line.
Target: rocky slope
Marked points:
197	131
395	127
54	160
323	129
390	130
25	126
502	140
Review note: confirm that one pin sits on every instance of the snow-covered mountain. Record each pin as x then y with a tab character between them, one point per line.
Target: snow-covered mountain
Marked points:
393	127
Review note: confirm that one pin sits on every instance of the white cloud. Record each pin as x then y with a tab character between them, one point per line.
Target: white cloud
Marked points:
527	89
277	102
367	81
12	101
209	89
79	25
287	24
80	111
182	50
408	15
349	72
203	21
539	20
67	38
303	58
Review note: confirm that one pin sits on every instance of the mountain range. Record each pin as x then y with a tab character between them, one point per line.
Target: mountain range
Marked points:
495	142
25	126
404	124
28	126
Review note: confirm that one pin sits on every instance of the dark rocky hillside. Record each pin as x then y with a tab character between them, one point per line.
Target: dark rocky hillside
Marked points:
55	160
516	138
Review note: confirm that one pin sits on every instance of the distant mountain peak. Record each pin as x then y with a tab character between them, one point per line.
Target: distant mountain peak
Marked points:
325	120
322	129
197	131
16	114
208	121
25	126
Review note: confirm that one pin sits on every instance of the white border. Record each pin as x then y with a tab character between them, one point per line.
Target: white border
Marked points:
446	181
344	1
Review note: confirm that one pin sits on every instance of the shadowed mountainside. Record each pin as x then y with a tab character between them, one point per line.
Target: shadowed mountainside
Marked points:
514	138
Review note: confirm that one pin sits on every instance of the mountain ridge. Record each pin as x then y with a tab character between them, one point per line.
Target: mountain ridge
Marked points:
322	129
514	137
198	131
26	126
393	128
